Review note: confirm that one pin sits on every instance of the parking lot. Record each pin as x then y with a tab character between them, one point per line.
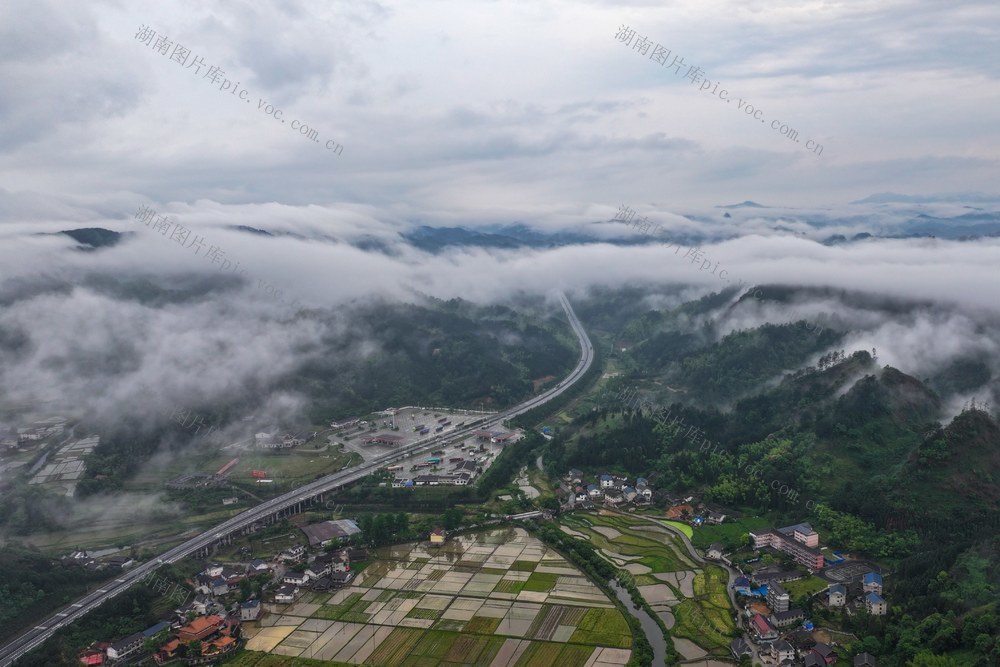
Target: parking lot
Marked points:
409	423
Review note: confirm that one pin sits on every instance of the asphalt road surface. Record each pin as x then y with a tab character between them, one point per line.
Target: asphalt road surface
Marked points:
34	636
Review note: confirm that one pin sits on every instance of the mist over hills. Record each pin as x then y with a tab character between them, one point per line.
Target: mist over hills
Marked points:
892	454
246	213
883	216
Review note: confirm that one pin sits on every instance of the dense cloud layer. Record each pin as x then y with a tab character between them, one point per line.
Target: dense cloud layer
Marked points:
448	110
473	114
85	339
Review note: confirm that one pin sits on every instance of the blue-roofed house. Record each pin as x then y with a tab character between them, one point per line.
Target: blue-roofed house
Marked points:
629	493
875	604
837	595
607	481
741	585
594	492
219	586
872	583
156	629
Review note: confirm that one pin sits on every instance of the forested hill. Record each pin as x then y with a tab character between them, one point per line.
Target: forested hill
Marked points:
890	475
372	356
441	353
885	481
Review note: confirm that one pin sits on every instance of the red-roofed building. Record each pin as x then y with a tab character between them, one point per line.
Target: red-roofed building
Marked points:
219	646
92	657
167	652
200	628
762	628
680	511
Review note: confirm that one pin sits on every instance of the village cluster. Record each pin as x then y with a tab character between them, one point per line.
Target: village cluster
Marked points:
776	631
209	626
779	630
606	489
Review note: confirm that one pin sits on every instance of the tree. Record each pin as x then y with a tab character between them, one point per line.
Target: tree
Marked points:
452	518
549	503
928	659
152	644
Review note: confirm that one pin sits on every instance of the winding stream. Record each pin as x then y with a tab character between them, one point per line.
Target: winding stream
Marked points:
653	633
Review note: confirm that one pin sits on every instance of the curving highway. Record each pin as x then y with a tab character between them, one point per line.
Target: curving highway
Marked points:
34	636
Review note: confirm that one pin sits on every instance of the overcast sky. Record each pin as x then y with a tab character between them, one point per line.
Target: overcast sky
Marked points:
473	109
465	113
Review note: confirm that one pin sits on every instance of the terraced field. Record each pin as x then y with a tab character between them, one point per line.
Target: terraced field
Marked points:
690	598
499	598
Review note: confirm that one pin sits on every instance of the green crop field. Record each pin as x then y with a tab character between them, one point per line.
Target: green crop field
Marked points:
451	611
700	605
730	534
523	566
603	626
539	581
807	586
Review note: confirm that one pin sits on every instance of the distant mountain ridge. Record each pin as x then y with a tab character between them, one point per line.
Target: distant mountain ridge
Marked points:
95	237
893	198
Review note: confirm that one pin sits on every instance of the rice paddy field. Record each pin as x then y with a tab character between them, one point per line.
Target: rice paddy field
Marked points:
499	598
689	598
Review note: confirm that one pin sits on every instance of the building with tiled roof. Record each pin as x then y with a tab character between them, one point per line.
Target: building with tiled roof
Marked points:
824	651
782	619
778	598
762	628
865	660
872	583
800	551
875	604
740	648
200	628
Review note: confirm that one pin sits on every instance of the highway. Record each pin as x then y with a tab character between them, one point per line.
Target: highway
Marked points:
37	634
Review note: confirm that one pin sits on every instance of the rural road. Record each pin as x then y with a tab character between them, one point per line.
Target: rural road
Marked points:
43	629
